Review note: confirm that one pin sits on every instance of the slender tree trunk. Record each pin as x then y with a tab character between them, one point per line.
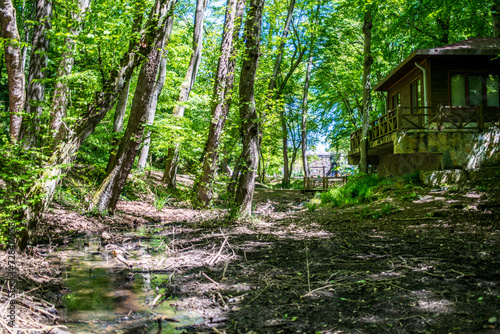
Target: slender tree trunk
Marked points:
171	163
284	137
234	180
249	128
109	192
60	97
14	65
162	74
279	56
120	110
303	124
26	19
274	96
35	91
210	158
365	118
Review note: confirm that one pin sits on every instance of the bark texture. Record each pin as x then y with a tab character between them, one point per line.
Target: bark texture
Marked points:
274	96
108	194
205	183
35	91
365	117
120	110
60	97
14	65
303	123
143	155
249	128
171	164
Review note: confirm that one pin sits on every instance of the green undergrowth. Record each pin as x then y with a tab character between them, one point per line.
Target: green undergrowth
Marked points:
362	189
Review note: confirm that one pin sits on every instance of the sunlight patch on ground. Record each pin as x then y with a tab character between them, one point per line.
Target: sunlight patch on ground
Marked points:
371	319
429	198
473	195
425	302
385	275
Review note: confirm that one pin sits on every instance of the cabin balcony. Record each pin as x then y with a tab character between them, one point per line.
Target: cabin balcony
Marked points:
424	138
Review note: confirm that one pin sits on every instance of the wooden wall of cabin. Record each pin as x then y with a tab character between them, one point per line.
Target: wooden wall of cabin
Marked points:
441	67
403	88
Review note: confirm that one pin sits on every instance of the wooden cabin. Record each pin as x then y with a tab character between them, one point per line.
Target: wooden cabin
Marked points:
439	104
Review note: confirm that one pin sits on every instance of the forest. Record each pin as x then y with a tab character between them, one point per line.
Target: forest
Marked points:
155	156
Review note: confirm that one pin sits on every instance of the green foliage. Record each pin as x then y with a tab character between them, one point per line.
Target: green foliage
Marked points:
358	190
412	178
313	204
161	199
369	212
20	171
134	187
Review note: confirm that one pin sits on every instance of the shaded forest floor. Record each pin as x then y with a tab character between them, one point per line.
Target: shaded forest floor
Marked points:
425	263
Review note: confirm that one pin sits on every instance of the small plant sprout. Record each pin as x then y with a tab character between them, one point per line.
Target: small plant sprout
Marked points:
161	199
313	204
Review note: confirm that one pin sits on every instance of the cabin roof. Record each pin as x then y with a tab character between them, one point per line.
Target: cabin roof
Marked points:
480	46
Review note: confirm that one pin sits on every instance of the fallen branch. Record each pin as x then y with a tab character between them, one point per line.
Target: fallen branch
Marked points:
211	280
211	262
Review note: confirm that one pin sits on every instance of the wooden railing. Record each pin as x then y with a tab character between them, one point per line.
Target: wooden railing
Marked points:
440	118
323	182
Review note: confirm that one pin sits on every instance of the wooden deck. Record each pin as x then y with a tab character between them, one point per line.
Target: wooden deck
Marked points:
424	118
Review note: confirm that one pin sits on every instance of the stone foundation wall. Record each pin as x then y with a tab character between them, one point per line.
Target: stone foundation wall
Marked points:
466	150
397	165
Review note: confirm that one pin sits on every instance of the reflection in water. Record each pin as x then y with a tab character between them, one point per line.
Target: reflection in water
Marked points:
107	297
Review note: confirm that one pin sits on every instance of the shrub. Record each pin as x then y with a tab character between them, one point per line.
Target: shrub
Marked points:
313	204
358	190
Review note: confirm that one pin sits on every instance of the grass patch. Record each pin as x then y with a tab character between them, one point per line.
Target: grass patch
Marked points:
359	189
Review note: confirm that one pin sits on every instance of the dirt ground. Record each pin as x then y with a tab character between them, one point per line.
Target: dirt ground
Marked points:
430	264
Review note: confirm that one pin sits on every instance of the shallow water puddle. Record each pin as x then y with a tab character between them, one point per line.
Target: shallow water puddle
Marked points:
106	296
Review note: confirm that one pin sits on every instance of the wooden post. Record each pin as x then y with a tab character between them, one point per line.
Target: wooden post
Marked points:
324	179
440	118
399	118
480	118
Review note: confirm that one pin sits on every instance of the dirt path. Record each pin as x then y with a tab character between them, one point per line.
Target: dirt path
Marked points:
431	264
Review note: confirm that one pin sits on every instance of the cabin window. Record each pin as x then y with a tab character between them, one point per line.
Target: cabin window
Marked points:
474	90
492	90
396	98
457	90
415	95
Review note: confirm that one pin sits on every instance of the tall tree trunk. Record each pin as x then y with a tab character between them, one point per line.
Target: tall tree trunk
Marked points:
160	82
64	152
249	128
35	91
171	163
274	96
284	128
109	192
284	138
279	56
365	118
120	110
303	123
60	97
14	65
210	158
